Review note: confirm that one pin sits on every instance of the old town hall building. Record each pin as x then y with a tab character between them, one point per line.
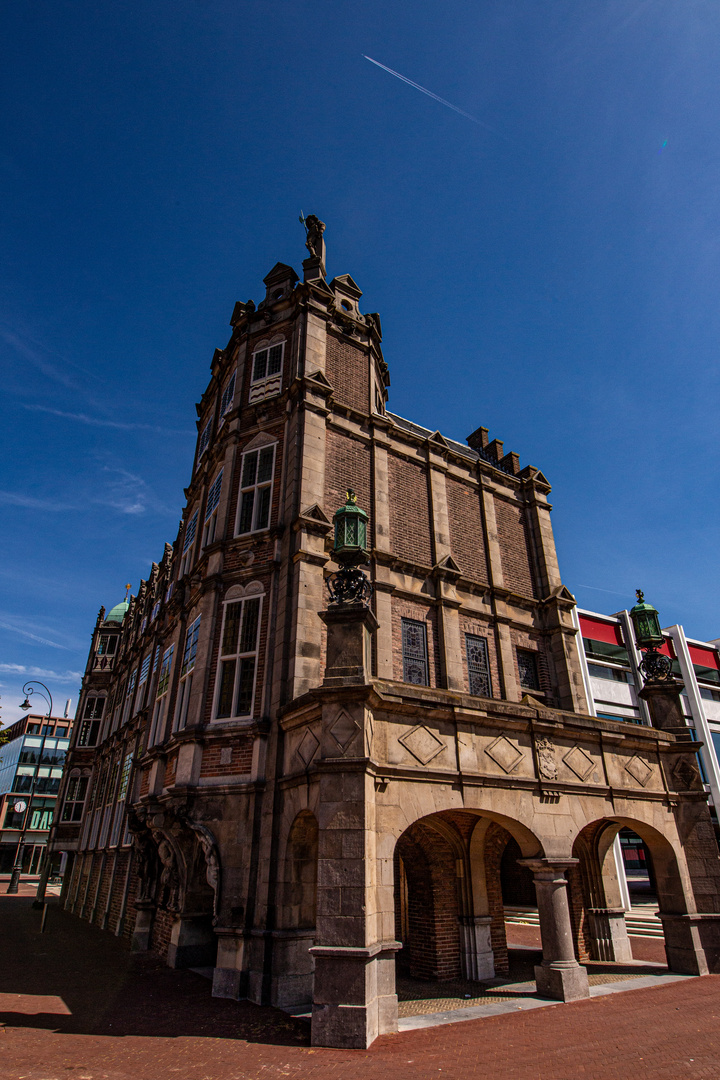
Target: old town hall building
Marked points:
302	794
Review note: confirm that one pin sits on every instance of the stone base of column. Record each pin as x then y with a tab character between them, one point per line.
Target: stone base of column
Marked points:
140	940
229	978
609	935
477	956
293	968
692	943
562	980
192	942
354	997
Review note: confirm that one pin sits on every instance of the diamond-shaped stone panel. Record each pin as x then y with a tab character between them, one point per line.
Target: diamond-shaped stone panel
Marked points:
580	762
504	753
307	747
422	743
343	729
685	774
639	769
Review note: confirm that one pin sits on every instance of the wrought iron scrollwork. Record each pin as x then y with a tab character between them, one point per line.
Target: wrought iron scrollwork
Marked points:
349	586
655	666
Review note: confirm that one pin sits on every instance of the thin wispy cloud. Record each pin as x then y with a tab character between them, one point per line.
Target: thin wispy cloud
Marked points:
127	492
435	97
29	502
101	422
37	355
29	636
40	673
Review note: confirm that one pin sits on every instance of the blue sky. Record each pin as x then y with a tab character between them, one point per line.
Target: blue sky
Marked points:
554	278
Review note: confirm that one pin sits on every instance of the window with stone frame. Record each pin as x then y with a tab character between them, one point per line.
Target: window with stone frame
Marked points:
186	673
204	440
188	544
119	811
161	697
129	694
211	509
528	669
107	644
238	658
226	401
75	798
478	664
267	362
256	481
414	652
91	720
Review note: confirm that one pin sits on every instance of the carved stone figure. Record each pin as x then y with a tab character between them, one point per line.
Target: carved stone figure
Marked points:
547	765
145	865
315	229
169	892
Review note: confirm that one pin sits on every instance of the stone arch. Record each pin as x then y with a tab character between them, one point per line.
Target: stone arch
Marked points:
448	896
600	925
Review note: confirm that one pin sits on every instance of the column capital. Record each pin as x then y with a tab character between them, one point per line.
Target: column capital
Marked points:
544	867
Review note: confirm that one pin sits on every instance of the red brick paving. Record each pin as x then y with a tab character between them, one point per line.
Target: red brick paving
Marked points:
77	1005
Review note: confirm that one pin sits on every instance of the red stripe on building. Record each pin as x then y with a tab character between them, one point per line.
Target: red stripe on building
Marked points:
601	631
704	657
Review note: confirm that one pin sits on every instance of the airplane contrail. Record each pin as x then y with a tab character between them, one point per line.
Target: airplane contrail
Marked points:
430	94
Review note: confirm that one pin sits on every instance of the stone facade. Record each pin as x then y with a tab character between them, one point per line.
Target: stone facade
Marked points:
271	797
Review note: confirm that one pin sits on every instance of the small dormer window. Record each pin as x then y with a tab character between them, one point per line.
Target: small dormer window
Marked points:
278	294
346	305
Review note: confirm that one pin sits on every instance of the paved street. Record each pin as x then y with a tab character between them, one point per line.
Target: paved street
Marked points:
75	1004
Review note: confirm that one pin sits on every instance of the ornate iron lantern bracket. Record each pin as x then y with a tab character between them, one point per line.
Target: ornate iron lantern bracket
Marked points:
349	585
655	666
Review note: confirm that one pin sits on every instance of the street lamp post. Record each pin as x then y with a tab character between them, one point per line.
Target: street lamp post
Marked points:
20	852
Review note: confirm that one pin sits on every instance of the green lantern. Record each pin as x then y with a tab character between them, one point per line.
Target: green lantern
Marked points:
350	520
647	624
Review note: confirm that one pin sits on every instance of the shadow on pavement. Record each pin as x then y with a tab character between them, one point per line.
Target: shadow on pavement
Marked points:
77	979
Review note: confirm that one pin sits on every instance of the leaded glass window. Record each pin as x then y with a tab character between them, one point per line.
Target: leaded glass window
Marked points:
256	490
414	652
238	659
478	665
75	798
227	397
204	439
267	362
528	669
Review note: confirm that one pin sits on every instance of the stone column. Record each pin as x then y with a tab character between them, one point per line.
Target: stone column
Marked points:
144	914
354	997
192	941
348	644
559	976
228	978
478	959
609	934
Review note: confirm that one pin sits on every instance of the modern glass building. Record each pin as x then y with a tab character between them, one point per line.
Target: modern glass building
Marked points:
31	766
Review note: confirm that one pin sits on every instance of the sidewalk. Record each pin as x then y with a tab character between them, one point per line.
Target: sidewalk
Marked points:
76	1004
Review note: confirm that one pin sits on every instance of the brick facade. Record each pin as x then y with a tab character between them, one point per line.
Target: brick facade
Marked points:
409	786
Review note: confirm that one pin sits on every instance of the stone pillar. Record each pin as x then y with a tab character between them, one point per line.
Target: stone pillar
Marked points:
559	976
228	977
348	644
476	952
354	997
144	912
609	934
192	942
